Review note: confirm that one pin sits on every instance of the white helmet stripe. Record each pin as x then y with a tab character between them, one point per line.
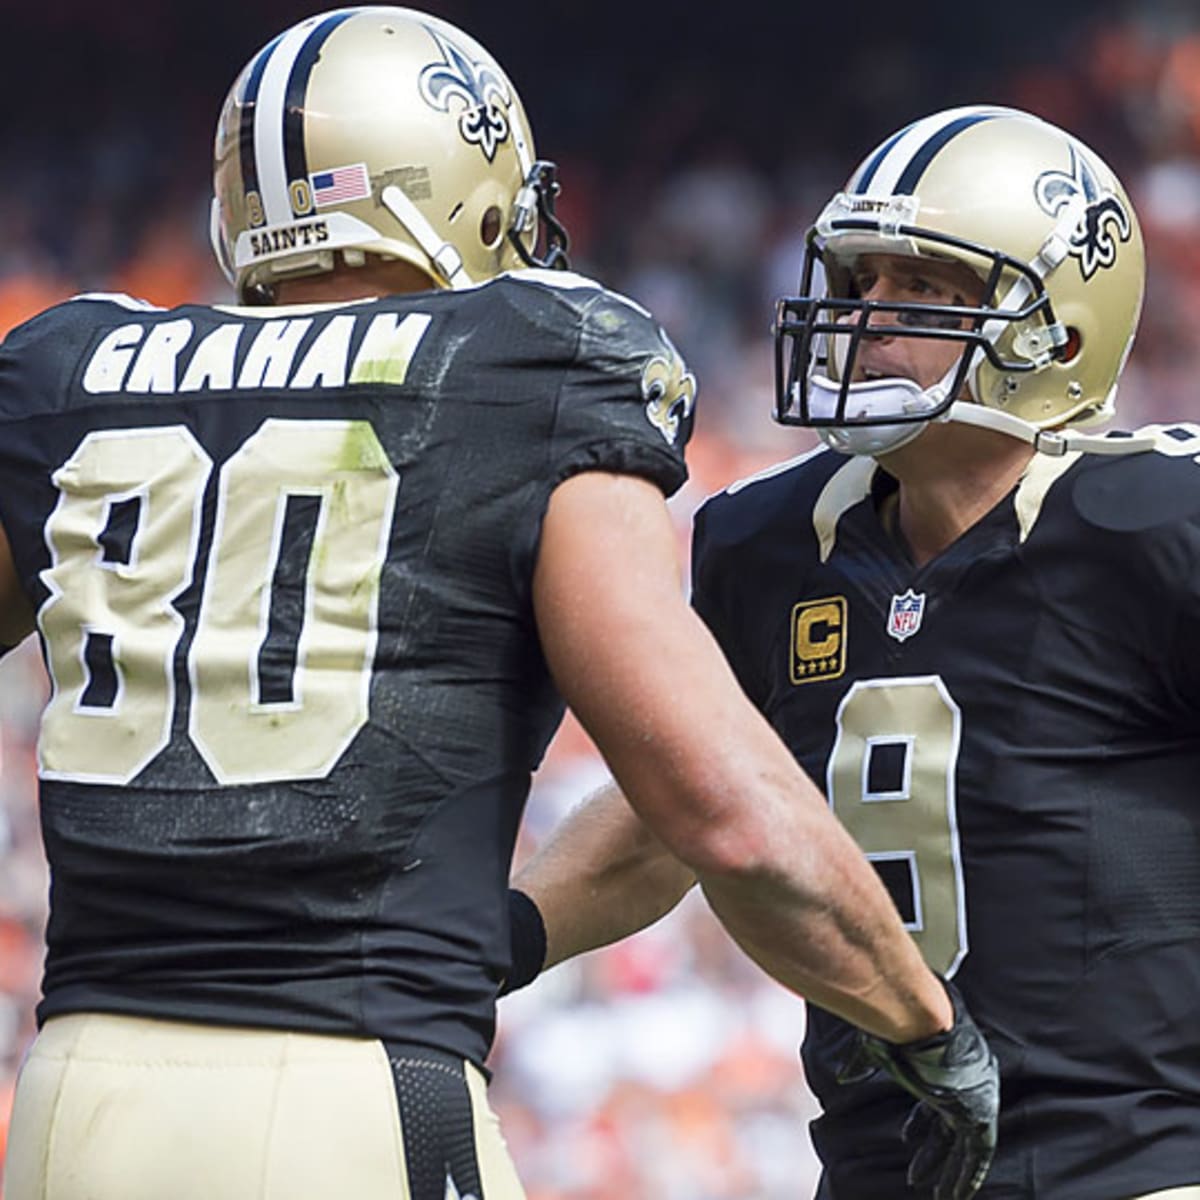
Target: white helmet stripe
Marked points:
295	101
270	112
268	124
246	126
898	165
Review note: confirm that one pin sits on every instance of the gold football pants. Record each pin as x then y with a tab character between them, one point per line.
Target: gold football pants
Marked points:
122	1108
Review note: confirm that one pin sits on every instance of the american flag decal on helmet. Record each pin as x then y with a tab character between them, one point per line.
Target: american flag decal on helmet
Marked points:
340	185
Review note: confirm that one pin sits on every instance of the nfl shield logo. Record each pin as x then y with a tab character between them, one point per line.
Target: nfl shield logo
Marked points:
905	618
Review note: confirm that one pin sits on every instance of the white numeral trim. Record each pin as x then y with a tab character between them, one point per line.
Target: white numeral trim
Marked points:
921	826
133	603
909	858
242	738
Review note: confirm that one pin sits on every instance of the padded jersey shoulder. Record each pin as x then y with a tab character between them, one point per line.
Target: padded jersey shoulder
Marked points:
1137	493
616	337
38	357
776	501
626	381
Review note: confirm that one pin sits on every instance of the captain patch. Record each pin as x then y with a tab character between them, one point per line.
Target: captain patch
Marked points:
818	639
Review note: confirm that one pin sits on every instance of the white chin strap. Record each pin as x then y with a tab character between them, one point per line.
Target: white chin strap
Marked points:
1046	441
444	257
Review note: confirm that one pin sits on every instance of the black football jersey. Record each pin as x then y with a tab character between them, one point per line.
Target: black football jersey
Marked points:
1012	734
281	560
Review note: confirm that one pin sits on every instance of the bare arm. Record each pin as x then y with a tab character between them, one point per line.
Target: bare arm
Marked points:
600	876
16	616
706	772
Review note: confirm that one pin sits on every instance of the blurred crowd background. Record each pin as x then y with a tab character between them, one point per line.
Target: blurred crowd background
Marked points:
695	144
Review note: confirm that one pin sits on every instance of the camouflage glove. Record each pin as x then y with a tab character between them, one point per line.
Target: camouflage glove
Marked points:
955	1078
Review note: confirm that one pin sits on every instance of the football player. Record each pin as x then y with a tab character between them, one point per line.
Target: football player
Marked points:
977	624
311	572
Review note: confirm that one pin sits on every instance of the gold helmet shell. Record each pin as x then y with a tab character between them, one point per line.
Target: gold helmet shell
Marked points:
1042	221
375	130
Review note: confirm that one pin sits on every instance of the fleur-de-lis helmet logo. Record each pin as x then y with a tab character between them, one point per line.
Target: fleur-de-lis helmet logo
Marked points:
1092	242
478	87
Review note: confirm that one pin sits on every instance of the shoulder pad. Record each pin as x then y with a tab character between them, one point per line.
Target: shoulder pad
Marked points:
773	470
782	495
1179	439
119	298
1142	492
570	281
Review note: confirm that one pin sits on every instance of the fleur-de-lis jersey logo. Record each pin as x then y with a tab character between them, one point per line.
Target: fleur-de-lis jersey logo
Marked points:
1092	242
669	390
477	87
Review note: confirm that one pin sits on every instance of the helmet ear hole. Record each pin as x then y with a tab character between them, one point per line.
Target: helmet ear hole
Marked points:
491	227
1072	346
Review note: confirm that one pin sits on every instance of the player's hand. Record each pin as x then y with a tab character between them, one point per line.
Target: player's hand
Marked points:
954	1075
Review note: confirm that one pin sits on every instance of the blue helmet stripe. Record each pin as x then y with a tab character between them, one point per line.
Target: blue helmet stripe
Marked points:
868	172
911	175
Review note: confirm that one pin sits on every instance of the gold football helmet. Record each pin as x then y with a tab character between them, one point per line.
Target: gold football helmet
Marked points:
1050	233
382	131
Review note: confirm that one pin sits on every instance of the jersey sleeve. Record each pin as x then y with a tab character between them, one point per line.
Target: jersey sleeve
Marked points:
32	358
35	360
626	401
624	404
715	577
705	581
1144	511
1175	557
